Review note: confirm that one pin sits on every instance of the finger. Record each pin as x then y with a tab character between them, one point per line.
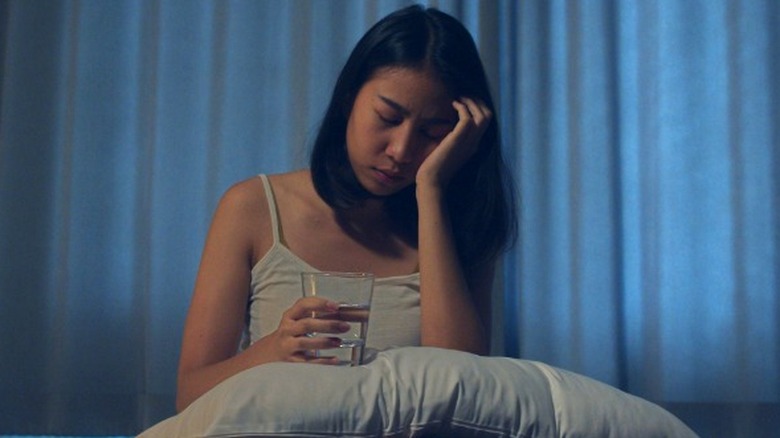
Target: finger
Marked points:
471	116
301	345
464	114
471	120
314	325
353	315
306	307
307	343
298	357
294	329
479	111
465	119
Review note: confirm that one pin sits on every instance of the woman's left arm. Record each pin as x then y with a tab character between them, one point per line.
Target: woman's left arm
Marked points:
455	310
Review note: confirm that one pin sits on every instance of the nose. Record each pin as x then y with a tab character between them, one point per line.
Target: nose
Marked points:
401	147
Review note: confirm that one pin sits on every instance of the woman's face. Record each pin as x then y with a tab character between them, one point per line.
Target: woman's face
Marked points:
399	116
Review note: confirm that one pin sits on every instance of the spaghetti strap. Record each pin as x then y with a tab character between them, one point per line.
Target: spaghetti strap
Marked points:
269	194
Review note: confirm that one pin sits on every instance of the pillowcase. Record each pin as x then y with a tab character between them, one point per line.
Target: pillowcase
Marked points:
418	391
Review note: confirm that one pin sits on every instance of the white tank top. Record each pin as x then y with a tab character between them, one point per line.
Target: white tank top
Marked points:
276	285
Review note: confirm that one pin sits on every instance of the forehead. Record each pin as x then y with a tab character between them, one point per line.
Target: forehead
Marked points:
414	89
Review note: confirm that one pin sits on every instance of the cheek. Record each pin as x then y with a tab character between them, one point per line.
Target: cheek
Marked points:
360	133
355	138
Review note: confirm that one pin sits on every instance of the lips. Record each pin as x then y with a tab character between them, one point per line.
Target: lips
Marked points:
388	176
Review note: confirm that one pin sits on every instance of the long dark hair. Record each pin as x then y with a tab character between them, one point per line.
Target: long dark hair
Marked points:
480	196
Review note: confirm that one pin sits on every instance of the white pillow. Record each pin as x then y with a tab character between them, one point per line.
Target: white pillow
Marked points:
416	391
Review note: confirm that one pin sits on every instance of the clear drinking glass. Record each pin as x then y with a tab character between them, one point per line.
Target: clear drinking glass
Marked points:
353	291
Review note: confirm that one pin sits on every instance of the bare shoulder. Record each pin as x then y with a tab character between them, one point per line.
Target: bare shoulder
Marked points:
296	197
244	209
293	184
246	206
295	194
247	196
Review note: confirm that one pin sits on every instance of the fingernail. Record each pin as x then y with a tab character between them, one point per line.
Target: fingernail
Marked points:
343	326
332	305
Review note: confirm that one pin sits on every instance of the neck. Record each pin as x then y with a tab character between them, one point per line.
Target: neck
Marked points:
369	213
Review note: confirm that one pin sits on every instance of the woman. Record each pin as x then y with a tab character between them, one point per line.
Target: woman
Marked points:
406	182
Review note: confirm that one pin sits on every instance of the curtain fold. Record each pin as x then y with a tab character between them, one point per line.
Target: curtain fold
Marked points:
643	137
647	259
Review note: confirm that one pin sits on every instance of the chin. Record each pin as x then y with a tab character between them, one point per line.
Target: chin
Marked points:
381	189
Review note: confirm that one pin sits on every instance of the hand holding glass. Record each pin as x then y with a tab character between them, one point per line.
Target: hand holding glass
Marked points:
352	291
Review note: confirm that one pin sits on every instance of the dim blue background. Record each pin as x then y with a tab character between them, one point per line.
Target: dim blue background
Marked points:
643	137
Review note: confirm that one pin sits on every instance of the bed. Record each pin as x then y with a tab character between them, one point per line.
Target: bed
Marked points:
419	391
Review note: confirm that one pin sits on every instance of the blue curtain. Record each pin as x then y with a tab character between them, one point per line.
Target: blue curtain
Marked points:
643	135
648	160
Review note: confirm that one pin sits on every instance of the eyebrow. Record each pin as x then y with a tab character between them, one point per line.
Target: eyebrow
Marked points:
405	112
395	105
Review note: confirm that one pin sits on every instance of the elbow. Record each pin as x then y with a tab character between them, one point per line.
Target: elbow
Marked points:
183	395
479	348
181	403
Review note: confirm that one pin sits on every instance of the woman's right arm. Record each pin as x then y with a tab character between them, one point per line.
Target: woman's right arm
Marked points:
216	317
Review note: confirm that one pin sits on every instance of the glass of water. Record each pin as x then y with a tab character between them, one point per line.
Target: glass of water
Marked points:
352	291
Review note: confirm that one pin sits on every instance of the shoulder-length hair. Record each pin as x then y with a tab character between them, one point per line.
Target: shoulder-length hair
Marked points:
480	196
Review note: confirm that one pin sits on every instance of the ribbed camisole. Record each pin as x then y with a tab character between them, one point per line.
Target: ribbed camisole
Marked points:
276	285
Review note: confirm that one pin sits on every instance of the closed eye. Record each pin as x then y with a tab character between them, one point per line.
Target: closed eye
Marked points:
391	121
